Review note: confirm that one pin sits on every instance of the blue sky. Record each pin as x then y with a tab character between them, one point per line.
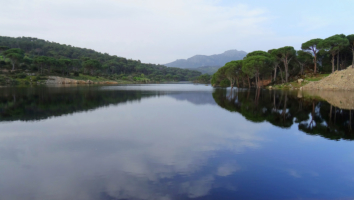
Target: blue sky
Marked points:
160	31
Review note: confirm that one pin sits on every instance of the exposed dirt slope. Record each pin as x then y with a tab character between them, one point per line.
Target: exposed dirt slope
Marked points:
339	80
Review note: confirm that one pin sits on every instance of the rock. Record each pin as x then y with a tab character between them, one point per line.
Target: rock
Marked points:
300	80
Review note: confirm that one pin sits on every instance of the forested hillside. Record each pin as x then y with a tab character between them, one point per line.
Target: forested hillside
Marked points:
50	58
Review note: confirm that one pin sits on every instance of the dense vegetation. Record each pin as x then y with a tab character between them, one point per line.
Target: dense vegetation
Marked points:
205	78
283	109
281	65
32	55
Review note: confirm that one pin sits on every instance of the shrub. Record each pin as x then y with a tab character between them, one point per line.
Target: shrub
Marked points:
21	75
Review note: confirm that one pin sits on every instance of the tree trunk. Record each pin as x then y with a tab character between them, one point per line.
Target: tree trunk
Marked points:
249	84
286	71
13	66
332	63
301	68
338	61
281	75
259	81
275	73
315	62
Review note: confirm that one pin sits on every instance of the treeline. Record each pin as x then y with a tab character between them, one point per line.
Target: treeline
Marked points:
44	57
279	65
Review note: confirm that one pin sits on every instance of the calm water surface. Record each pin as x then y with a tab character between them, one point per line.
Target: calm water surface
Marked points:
172	142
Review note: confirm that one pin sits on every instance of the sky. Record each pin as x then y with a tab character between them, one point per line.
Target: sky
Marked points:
161	31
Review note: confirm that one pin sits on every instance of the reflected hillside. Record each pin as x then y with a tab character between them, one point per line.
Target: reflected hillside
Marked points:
196	98
39	103
285	109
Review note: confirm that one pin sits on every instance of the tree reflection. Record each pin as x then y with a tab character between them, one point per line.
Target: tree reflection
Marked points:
285	109
41	103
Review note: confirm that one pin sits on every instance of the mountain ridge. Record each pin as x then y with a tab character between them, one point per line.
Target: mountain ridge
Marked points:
204	60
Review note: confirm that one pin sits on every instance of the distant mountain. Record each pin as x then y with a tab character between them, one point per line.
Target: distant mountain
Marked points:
217	60
207	69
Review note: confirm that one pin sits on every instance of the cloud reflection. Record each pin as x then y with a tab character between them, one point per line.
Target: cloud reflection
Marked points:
156	149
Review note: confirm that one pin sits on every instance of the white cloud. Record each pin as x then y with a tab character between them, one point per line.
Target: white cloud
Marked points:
155	31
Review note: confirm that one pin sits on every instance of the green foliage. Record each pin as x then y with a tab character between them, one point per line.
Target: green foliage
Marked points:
219	77
15	55
257	53
311	45
21	75
50	58
256	64
334	45
351	44
303	58
205	78
5	80
91	65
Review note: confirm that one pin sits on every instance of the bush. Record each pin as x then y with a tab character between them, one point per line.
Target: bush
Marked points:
76	74
21	75
3	80
7	80
225	83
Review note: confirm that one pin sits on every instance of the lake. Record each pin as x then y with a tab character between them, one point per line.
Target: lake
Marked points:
172	141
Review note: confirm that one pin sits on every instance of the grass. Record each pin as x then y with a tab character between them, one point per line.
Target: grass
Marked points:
317	78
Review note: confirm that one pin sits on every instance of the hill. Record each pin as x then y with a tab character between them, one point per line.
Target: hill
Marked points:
339	80
217	60
28	55
207	69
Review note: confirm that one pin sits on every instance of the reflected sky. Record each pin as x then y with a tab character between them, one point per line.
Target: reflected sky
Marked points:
169	147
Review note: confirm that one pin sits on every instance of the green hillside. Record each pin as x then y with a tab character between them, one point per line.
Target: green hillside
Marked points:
23	55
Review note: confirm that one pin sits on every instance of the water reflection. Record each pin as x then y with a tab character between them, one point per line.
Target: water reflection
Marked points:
153	143
284	109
